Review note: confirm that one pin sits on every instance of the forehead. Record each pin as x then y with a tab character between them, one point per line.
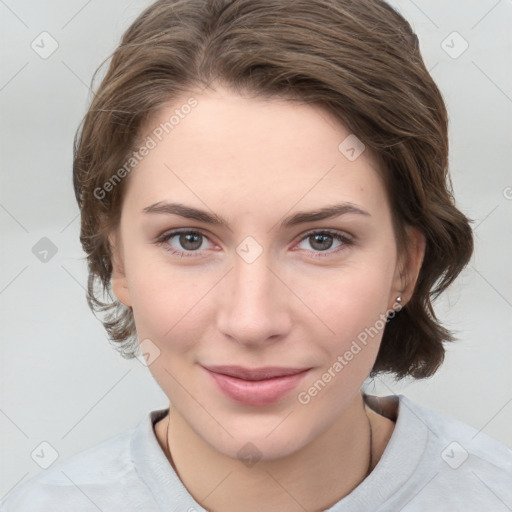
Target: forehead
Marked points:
245	147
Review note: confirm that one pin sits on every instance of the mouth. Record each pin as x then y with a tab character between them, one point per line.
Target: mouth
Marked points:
255	386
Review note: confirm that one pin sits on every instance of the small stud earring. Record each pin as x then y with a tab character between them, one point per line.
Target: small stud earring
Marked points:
399	299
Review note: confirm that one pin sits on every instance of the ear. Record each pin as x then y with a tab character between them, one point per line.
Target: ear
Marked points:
409	265
119	283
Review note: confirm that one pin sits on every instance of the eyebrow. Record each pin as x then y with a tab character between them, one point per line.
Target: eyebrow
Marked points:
189	212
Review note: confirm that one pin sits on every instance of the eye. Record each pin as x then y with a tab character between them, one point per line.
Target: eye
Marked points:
322	241
188	242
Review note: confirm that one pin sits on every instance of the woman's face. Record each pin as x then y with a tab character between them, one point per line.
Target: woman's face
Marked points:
268	284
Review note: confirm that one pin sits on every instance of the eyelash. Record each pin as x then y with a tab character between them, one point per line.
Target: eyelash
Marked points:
346	241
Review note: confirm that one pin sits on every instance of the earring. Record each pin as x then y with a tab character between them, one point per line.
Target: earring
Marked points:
399	299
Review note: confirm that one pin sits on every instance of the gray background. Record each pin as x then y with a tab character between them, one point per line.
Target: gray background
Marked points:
63	384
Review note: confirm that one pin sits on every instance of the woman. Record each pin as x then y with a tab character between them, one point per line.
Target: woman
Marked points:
264	195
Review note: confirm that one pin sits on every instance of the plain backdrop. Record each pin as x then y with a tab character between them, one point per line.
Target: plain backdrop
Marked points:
61	381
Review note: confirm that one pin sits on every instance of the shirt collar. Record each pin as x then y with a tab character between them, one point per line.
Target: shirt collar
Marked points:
397	464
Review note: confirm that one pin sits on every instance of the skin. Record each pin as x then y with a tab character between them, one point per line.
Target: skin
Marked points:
253	162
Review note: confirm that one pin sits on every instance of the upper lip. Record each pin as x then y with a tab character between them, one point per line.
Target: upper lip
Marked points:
267	372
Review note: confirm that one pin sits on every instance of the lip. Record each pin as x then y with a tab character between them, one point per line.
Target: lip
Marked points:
256	386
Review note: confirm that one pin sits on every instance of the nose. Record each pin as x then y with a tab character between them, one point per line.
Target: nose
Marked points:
254	303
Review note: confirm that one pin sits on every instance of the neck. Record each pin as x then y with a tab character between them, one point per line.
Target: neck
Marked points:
330	467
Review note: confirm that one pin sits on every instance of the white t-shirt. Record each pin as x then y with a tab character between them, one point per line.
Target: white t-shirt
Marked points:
431	463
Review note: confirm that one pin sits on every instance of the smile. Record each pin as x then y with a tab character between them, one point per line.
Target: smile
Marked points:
260	386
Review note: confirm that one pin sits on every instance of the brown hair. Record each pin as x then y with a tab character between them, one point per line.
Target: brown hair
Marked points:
359	59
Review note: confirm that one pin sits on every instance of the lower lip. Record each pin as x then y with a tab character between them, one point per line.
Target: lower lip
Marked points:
256	392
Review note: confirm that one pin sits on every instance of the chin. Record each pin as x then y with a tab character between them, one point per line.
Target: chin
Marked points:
252	449
262	443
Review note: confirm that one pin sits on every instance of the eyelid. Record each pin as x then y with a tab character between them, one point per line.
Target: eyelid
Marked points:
345	239
329	231
342	236
168	235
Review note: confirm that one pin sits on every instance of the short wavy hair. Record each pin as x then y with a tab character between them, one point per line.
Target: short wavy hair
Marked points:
359	59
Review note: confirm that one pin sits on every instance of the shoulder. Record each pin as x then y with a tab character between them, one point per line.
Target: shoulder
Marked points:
96	478
460	441
459	466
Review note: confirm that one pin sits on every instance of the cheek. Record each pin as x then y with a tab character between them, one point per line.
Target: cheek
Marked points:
168	301
354	309
162	309
362	300
353	298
